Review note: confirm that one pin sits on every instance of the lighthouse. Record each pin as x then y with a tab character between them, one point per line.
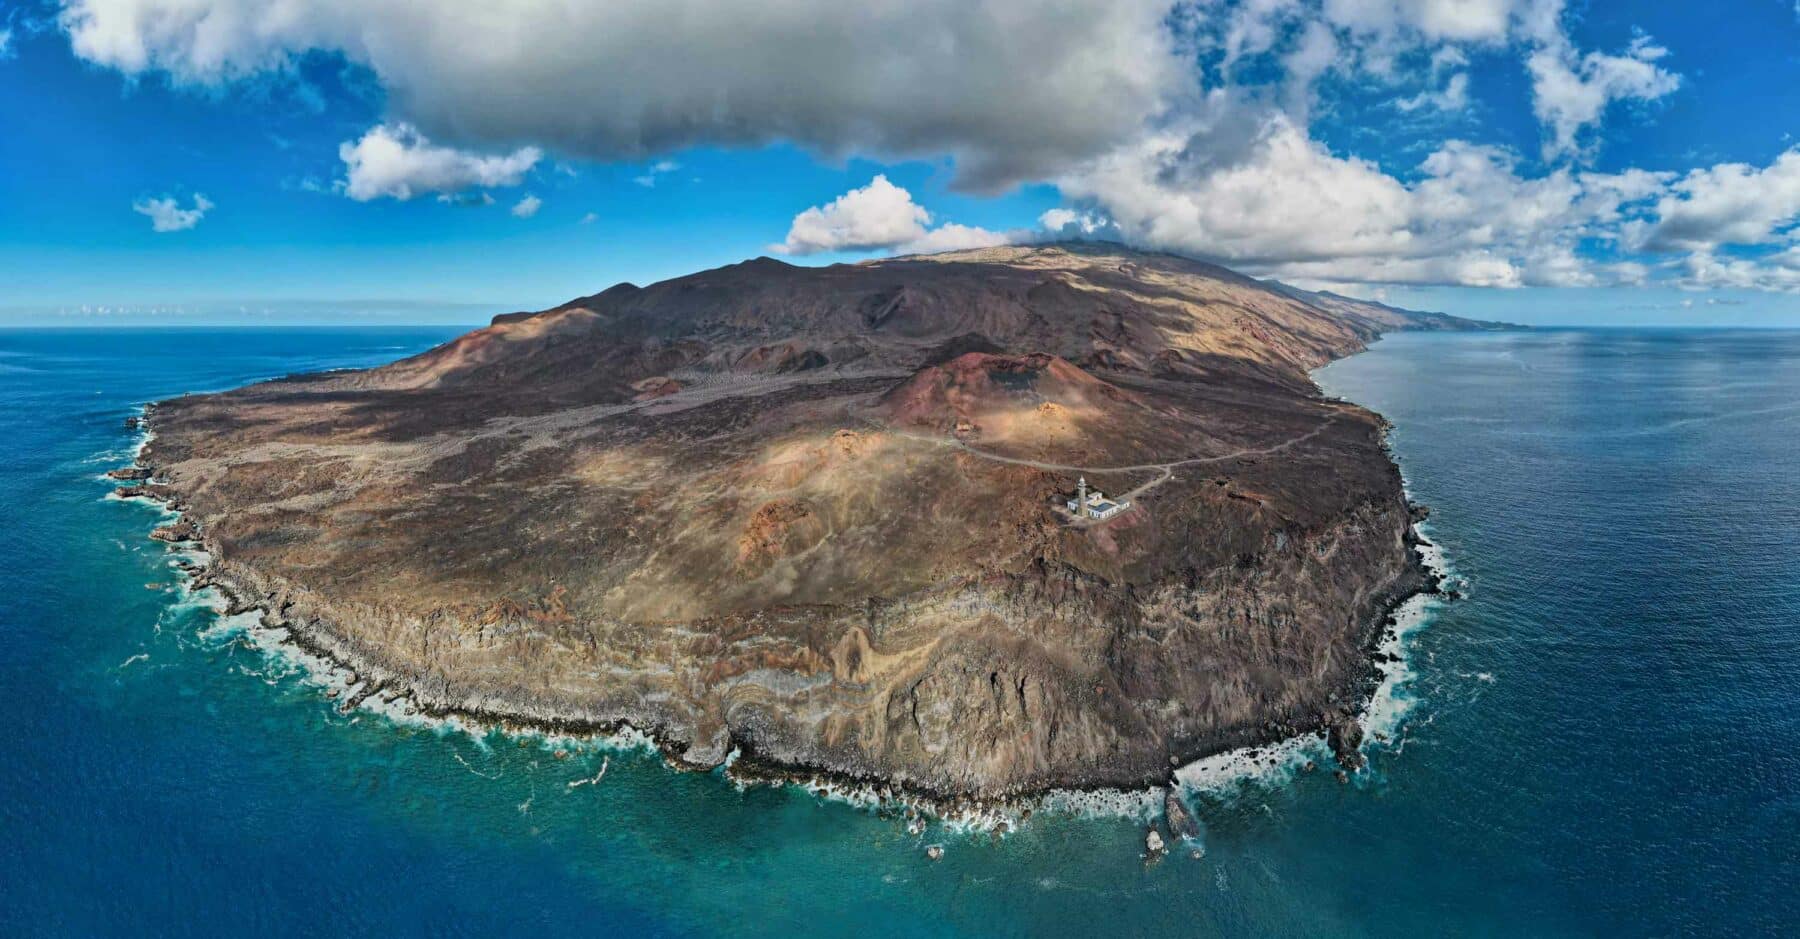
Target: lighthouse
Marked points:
1093	505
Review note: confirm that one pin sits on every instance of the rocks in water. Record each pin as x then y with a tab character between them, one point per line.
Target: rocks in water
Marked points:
1153	843
935	852
1182	823
129	473
1309	767
133	422
131	492
915	825
1345	735
182	531
1342	776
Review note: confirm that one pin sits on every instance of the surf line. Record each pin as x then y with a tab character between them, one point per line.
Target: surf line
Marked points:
605	761
472	769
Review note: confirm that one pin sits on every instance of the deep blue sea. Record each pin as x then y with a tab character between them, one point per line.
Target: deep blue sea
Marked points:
1602	737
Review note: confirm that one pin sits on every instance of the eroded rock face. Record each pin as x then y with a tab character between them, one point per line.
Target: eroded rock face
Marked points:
812	514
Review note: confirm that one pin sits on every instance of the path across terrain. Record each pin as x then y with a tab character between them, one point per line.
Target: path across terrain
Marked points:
1164	471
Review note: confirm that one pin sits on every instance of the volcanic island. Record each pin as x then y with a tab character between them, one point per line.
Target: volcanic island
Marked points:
968	526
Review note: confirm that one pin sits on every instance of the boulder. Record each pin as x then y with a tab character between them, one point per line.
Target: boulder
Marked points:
1345	736
1182	823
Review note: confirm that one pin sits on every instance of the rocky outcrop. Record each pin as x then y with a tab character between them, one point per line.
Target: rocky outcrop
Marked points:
1345	736
1181	822
183	530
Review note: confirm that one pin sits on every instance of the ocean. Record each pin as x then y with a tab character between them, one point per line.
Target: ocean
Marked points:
1598	740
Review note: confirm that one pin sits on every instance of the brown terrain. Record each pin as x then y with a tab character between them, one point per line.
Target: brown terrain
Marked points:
815	515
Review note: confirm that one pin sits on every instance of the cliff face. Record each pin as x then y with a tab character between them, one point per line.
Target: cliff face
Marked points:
814	514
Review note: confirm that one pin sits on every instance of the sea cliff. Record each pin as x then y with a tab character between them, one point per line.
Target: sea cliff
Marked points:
812	517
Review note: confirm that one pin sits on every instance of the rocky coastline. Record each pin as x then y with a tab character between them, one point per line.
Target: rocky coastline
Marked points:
802	525
368	678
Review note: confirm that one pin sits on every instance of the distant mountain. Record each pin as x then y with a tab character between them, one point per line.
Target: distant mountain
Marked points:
1381	316
816	516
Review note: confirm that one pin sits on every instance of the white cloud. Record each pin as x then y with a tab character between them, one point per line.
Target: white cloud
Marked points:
396	161
1286	206
1571	92
590	218
879	215
1732	203
1067	223
1454	96
1707	270
5	43
166	213
953	237
657	169
1100	97
1434	20
527	207
1012	89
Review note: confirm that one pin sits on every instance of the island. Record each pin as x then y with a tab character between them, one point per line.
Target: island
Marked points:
840	521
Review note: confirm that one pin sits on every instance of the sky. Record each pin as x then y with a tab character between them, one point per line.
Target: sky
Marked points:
252	161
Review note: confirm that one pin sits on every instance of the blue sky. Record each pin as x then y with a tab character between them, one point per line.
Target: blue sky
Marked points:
1532	160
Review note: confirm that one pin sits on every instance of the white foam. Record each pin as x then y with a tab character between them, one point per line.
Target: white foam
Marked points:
1393	699
1102	803
1269	764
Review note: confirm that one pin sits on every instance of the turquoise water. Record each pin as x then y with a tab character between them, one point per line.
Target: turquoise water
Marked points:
1601	740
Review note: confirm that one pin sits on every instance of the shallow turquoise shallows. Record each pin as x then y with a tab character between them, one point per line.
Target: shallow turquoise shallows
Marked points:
1602	738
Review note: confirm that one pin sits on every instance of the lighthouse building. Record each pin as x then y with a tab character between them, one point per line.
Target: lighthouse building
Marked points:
1093	504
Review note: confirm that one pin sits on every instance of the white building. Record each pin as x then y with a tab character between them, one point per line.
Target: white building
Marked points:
1094	505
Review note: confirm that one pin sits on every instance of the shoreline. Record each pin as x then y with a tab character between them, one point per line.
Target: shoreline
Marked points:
355	680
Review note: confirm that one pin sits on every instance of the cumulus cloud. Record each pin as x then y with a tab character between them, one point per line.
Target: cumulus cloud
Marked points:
1732	203
953	237
166	213
396	161
1571	92
1388	41
1011	89
527	207
1175	124
1432	20
1287	206
879	216
1705	270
